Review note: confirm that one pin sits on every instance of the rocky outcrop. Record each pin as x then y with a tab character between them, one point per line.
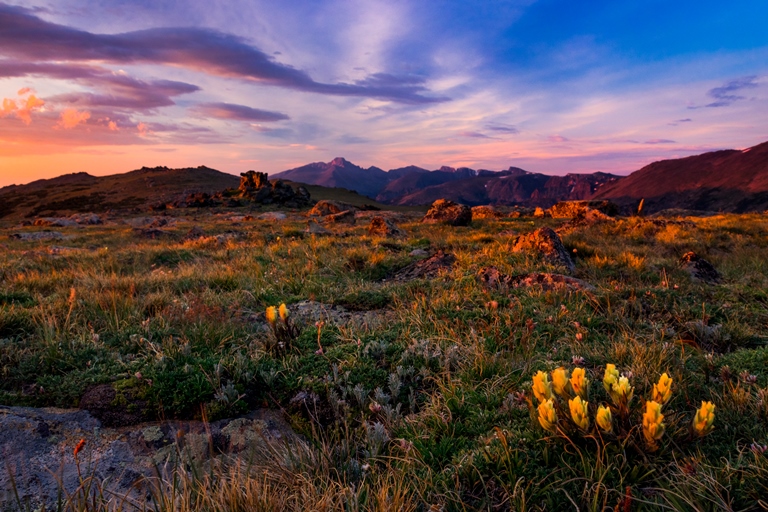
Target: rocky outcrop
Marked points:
699	268
447	212
547	243
345	217
256	187
382	227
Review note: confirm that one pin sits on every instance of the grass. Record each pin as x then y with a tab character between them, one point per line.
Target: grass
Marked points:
426	410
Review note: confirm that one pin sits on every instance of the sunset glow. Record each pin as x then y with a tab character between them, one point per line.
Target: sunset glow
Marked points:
549	86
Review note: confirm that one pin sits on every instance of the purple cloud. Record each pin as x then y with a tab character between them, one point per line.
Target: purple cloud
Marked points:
475	135
237	112
26	36
503	129
114	89
660	141
726	94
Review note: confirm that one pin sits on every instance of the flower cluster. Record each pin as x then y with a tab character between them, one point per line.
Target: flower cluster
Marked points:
282	328
572	388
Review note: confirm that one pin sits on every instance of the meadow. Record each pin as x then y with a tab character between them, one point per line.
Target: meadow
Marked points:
423	400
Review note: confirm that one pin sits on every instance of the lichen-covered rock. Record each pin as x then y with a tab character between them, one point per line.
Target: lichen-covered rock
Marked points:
447	212
699	268
545	242
55	222
380	226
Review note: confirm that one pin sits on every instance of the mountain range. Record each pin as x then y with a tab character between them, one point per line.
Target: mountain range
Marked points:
416	186
727	180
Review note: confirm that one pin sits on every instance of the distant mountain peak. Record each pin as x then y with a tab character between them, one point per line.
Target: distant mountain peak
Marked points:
339	161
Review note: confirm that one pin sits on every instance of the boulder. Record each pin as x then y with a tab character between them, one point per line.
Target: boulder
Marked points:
38	235
426	269
570	209
256	187
545	242
345	217
699	268
540	213
380	226
272	216
326	207
486	212
86	219
447	212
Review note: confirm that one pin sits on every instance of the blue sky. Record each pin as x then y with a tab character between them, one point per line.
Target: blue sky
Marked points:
549	86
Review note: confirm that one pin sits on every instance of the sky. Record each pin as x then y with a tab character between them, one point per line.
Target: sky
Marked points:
550	86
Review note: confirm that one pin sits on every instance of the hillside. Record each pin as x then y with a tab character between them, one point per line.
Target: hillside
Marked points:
729	181
82	192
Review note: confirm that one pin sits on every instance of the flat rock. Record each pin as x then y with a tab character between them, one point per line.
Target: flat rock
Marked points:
345	217
55	222
699	268
570	209
447	212
426	269
313	228
272	216
491	278
486	212
38	235
547	243
37	445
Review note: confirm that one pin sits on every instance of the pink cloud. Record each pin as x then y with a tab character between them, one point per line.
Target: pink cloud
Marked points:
71	118
23	107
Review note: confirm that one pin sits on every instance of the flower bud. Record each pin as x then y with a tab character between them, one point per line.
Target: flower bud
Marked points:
542	389
611	376
604	418
548	415
705	417
580	383
560	382
579	412
271	314
653	428
284	313
662	391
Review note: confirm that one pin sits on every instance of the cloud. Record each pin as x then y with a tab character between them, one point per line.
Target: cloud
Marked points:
475	135
660	141
503	129
23	107
557	138
113	89
237	112
30	38
71	118
725	95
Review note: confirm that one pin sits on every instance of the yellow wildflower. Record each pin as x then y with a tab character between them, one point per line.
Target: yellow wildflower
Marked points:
284	313
662	391
622	392
560	382
579	412
548	415
271	314
604	418
705	417
579	382
653	428
611	376
542	389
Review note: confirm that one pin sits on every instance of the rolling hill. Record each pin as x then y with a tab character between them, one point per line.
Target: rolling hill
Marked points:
729	181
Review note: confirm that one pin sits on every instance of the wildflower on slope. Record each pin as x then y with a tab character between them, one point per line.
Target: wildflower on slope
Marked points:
611	376
705	417
604	418
79	447
284	313
560	382
662	391
579	412
580	383
542	389
271	314
548	415
653	428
